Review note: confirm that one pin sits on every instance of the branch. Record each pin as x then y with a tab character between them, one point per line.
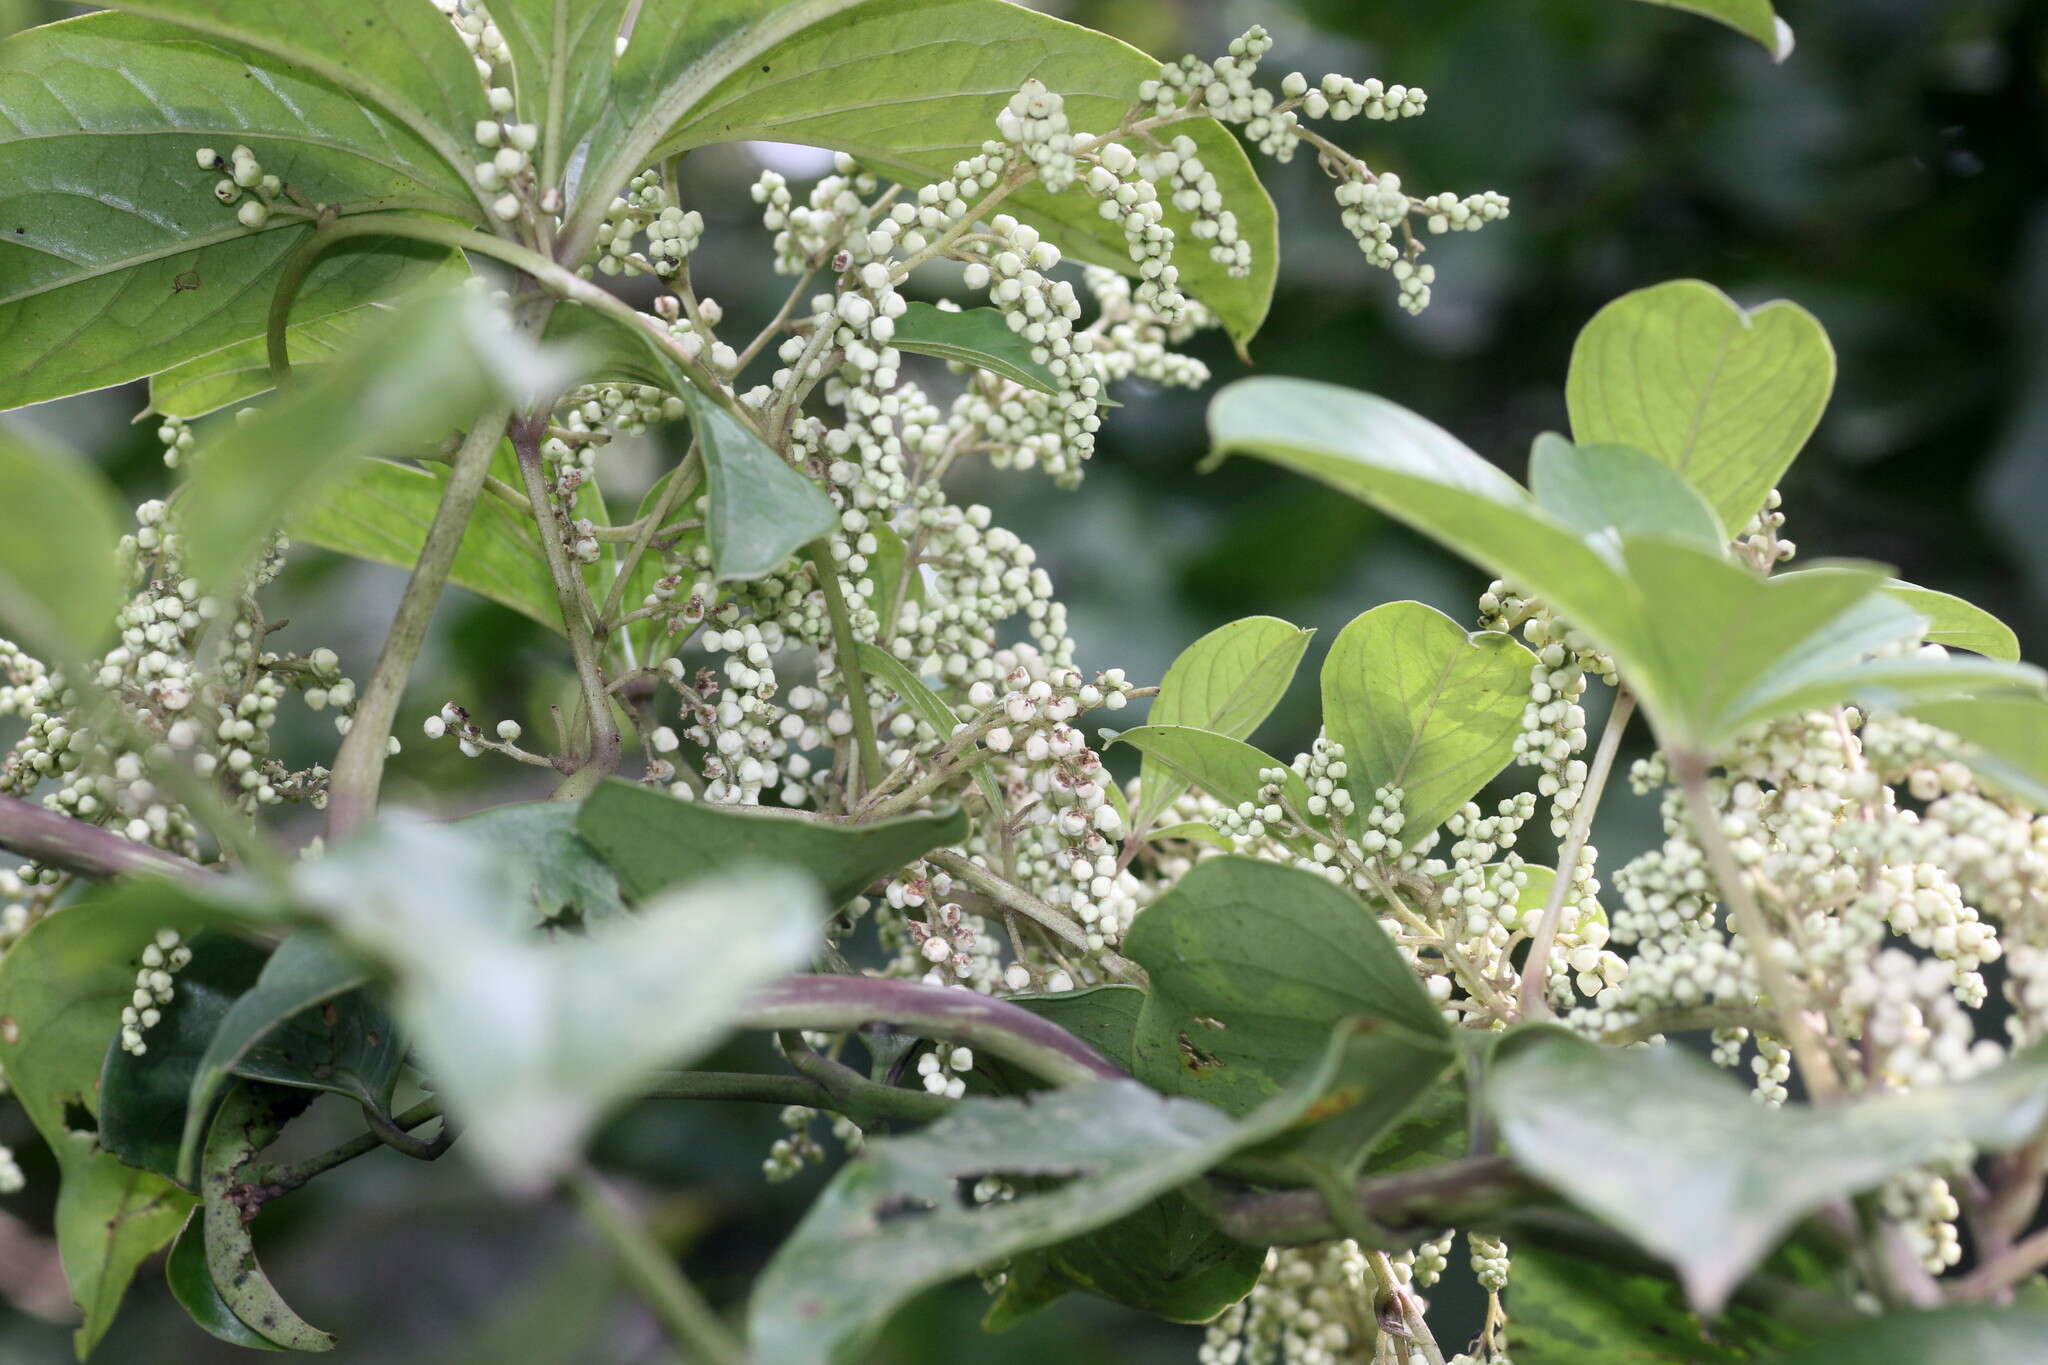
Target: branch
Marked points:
1415	1204
77	846
691	1324
1013	897
846	654
834	1004
1536	971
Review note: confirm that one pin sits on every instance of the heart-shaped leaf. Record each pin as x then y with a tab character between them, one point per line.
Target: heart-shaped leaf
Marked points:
1228	769
1610	491
1227	681
974	336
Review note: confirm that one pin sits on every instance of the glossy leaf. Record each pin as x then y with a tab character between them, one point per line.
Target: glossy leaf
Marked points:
565	872
1723	395
1253	966
423	371
60	577
978	337
380	511
657	842
143	1098
117	258
248	1121
1227	681
532	1041
1422	704
1955	623
1227	769
762	511
307	971
1678	1157
1611	491
892	1223
1755	18
904	85
237	373
191	1284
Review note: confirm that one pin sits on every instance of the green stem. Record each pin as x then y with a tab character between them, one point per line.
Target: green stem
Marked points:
846	652
691	1324
602	760
680	483
850	1093
359	766
1048	917
1814	1064
1535	1003
287	1178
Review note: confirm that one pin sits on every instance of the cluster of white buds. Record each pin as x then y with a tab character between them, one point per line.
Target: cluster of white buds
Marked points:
486	44
1035	123
454	722
244	184
1762	541
1132	202
837	216
643	208
1196	193
165	956
1921	1204
942	1069
1316	1306
1449	213
176	434
510	163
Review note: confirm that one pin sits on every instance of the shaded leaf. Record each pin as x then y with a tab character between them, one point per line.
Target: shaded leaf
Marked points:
1227	681
656	841
1954	1336
1723	395
1227	769
60	577
1958	624
1573	1311
1611	491
191	1284
562	55
248	1121
110	1219
1422	704
2005	740
565	872
762	511
978	337
1754	18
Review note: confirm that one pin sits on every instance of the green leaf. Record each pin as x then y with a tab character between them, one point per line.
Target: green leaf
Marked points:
1573	1311
1953	1336
978	337
892	1223
1677	1156
1724	396
565	872
60	576
143	1098
1194	831
62	986
248	1121
2005	740
1228	769
1610	491
656	841
191	1284
380	511
532	1041
562	55
1422	704
1253	967
118	259
932	710
1227	681
425	370
762	511
307	971
1958	624
1752	17
237	373
911	87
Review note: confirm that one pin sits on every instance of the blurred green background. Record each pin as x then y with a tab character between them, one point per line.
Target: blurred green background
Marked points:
1892	177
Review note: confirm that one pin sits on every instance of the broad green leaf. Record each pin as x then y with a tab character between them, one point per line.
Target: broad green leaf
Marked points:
60	575
1610	491
2005	740
885	570
143	1098
191	1284
657	841
426	369
562	55
1253	966
1677	1156
530	1040
1573	1311
62	986
237	373
565	872
892	1222
978	337
1953	1336
1724	396
248	1122
1755	18
1228	769
910	87
762	510
1227	681
308	970
117	259
1420	703
1958	624
380	511
932	710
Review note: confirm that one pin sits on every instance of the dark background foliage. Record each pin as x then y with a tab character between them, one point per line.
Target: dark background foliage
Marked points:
1890	177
